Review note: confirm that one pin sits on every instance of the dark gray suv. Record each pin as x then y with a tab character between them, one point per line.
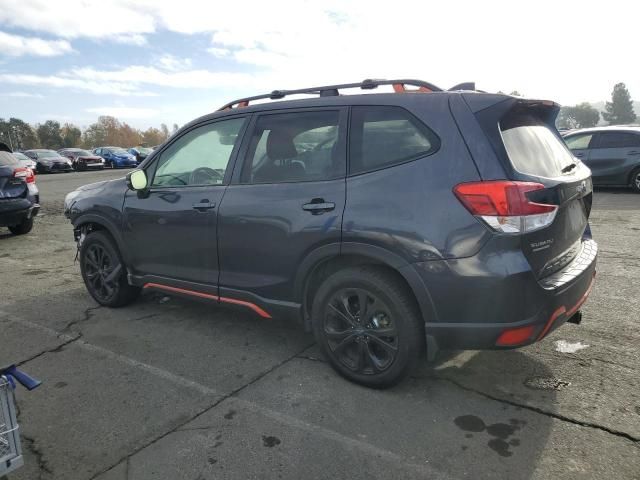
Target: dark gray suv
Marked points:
612	154
386	223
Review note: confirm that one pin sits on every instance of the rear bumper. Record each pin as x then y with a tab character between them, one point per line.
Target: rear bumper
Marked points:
16	217
513	302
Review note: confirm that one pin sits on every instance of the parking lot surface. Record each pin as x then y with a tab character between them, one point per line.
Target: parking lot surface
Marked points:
167	389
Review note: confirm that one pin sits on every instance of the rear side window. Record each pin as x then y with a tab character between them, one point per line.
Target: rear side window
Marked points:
295	147
7	160
385	136
618	140
532	147
579	142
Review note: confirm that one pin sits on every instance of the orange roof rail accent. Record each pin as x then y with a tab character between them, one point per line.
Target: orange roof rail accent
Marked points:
401	88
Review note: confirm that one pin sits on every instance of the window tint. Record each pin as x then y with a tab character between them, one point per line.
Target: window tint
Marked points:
7	160
295	147
384	136
579	142
618	140
532	147
199	157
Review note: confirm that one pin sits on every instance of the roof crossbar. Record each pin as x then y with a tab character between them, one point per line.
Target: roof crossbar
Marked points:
399	86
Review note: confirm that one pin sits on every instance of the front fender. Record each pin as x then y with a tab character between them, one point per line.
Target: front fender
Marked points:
103	224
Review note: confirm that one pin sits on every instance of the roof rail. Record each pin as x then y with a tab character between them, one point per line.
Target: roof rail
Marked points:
399	86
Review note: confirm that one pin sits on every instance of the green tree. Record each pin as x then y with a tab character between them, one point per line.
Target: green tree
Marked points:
582	115
620	109
71	135
17	133
516	93
165	131
49	135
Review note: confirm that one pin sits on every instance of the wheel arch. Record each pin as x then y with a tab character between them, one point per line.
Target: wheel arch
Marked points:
327	260
93	222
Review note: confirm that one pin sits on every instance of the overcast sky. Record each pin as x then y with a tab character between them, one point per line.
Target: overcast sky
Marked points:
153	61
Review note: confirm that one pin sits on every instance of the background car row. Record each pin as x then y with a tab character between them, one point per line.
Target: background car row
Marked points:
68	159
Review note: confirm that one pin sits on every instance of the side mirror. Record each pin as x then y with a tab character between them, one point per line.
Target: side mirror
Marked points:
137	180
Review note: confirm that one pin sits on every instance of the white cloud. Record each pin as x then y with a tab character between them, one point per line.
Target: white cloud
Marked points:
219	52
96	86
17	46
21	95
173	63
500	44
129	39
124	112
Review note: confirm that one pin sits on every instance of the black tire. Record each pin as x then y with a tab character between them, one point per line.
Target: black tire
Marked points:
635	180
22	228
104	272
381	350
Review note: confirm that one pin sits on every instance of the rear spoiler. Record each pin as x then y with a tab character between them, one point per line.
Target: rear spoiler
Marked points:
498	105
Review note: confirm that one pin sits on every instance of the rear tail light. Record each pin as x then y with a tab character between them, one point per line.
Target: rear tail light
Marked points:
25	173
515	336
504	206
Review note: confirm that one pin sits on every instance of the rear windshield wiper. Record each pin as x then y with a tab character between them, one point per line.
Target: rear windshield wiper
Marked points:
569	167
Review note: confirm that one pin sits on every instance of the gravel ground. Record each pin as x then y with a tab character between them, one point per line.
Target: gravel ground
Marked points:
166	389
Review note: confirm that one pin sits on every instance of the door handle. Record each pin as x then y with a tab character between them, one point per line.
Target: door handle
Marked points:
318	206
203	205
578	155
633	152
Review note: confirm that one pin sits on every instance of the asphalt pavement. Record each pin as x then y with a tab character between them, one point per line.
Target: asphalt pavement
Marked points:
169	389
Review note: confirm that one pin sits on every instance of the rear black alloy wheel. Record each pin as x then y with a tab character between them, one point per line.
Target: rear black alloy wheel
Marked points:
103	271
368	325
360	330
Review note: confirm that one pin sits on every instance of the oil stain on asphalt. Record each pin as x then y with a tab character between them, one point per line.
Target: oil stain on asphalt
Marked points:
500	432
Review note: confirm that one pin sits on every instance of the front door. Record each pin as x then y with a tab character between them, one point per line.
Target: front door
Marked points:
286	201
171	228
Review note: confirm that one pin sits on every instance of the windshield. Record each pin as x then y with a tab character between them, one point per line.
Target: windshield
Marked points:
533	148
118	151
20	156
48	154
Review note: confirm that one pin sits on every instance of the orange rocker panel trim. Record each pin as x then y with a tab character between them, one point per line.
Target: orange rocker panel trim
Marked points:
209	296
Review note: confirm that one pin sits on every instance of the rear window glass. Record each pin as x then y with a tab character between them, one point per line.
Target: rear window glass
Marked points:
533	148
618	140
385	136
7	159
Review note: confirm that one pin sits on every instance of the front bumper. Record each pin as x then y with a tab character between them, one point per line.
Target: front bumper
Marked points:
473	311
54	167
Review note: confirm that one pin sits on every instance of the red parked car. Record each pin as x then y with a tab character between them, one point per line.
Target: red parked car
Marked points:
82	159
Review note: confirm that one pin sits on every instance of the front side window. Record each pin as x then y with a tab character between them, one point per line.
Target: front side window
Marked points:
618	140
385	136
295	147
200	156
579	142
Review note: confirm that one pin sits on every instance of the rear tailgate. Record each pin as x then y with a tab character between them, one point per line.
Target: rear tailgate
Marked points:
524	137
11	187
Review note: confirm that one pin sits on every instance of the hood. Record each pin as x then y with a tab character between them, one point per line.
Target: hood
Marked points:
92	186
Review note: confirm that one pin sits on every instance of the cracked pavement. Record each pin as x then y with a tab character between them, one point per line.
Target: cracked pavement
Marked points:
168	389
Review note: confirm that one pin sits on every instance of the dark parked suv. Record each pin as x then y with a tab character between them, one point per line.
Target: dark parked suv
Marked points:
386	223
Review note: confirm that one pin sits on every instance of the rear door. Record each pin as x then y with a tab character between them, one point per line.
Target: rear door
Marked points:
613	156
286	200
539	155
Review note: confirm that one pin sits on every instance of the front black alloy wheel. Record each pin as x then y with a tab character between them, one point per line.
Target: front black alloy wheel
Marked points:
103	271
367	324
360	331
